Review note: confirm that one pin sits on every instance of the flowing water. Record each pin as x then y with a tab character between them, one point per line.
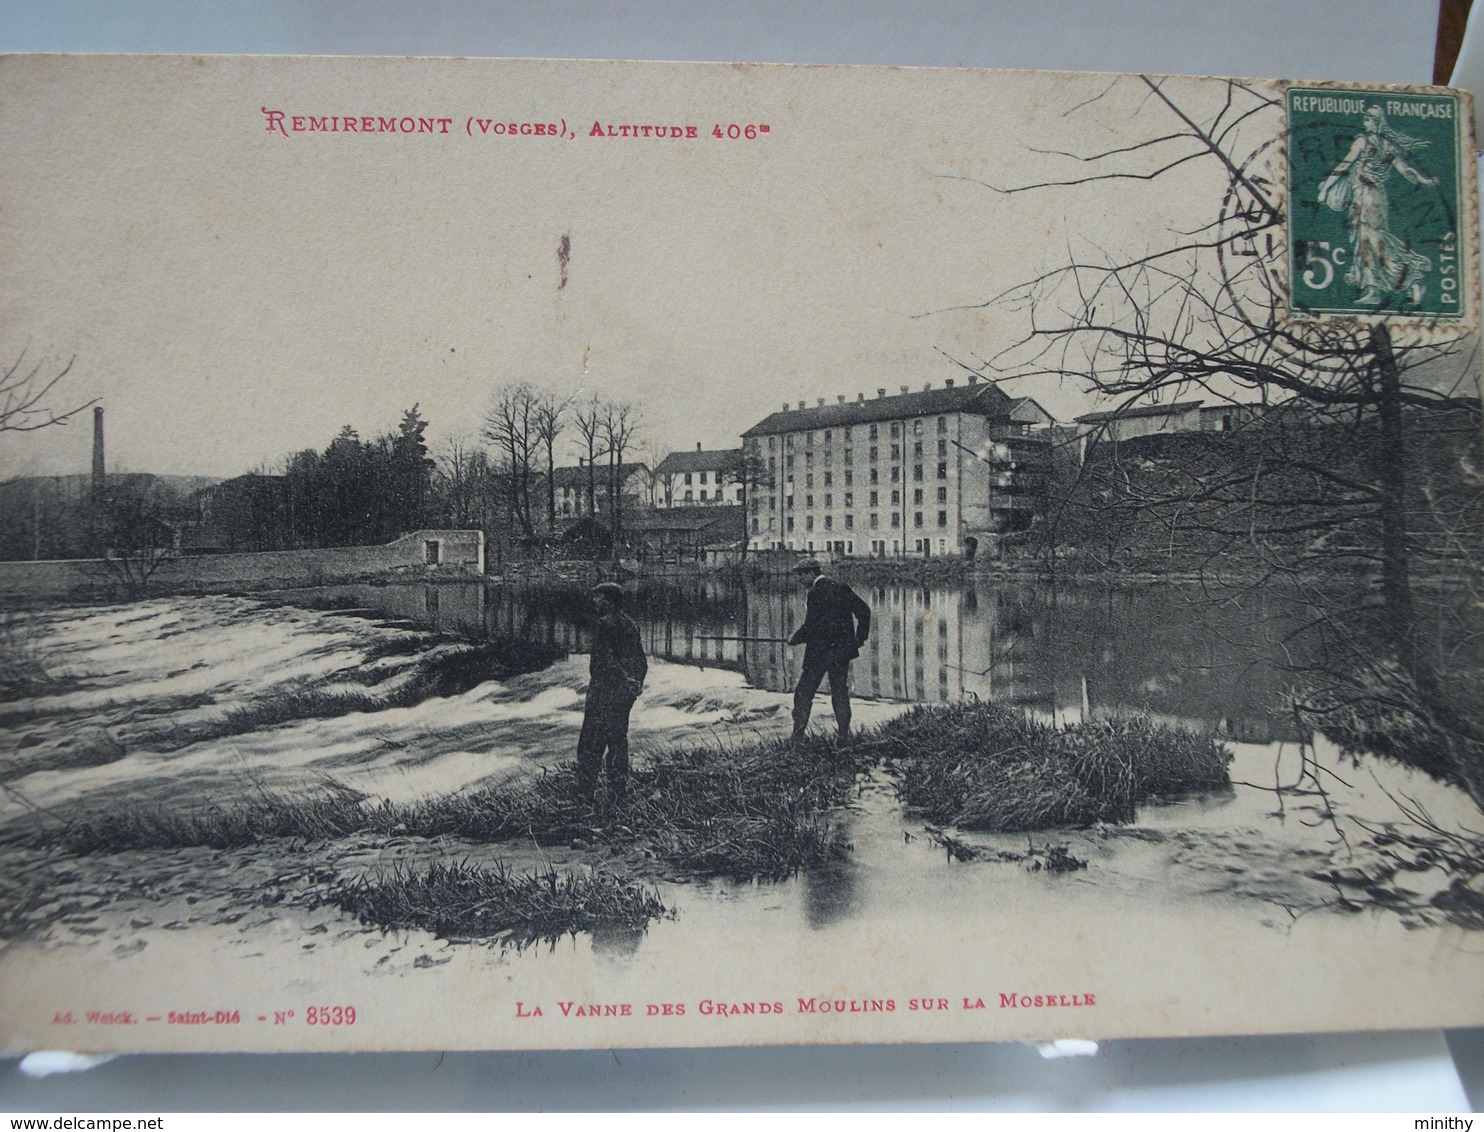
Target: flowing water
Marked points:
1291	835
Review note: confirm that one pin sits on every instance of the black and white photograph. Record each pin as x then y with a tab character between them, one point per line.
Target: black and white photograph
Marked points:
532	554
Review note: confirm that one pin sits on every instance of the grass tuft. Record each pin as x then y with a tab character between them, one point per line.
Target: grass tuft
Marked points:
465	901
751	811
333	811
985	767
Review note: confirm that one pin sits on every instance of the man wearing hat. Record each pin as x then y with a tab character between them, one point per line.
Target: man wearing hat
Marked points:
836	625
616	674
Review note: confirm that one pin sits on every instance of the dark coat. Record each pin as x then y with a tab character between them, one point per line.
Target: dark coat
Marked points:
617	667
836	621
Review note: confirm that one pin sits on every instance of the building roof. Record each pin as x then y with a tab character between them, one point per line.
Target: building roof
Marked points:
1141	411
1027	410
713	460
576	476
982	399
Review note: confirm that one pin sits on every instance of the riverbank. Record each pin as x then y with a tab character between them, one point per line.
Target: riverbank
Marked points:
150	752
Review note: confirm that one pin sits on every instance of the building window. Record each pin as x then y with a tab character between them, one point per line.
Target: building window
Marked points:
827	436
849	455
755	526
849	478
850	499
942	495
917	427
942	518
703	478
917	518
829	478
917	472
432	551
850	522
788	463
875	520
829	522
896	475
896	451
942	425
896	429
942	471
789	526
788	442
687	479
942	448
917	449
875	477
808	522
829	499
789	502
703	495
772	441
829	457
917	496
896	497
872	434
688	496
808	459
809	480
896	518
875	498
808	501
809	438
875	453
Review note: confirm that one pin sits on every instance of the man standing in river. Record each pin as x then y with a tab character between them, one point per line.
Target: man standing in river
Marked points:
616	674
836	625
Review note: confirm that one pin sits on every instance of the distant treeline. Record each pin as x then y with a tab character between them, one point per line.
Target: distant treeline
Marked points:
353	493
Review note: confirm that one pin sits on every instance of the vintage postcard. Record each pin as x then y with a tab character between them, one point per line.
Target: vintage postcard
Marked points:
517	554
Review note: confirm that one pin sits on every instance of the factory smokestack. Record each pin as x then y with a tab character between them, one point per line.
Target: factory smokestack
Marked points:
98	466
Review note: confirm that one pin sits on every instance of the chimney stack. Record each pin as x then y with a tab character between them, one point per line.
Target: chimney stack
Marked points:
973	379
801	404
881	392
785	406
927	386
820	402
904	389
859	398
698	446
98	465
840	398
949	383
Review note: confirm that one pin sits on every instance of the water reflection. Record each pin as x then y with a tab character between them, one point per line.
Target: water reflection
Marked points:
1069	653
830	893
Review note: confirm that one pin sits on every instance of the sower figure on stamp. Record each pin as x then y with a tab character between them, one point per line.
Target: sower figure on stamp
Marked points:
836	625
615	678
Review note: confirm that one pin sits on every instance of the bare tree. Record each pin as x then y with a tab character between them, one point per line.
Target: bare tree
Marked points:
510	425
137	523
547	421
1341	407
620	430
750	471
587	419
23	396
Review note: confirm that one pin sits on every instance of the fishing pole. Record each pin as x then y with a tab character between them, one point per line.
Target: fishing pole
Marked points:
754	640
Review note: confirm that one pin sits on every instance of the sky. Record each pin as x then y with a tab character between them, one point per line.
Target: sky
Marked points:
231	295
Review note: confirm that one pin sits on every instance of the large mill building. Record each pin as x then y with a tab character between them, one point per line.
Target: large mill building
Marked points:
925	473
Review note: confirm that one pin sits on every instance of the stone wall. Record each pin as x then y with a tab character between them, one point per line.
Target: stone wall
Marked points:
422	554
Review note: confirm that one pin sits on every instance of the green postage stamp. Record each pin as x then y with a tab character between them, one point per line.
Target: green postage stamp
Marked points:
1374	196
